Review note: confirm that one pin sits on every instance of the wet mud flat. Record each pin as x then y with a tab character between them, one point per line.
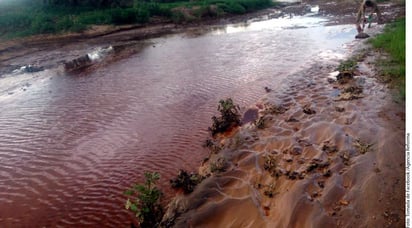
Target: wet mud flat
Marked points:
321	153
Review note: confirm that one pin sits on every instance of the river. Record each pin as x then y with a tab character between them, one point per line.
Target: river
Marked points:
71	143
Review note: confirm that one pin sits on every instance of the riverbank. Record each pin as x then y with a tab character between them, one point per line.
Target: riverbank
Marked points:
322	152
26	18
17	53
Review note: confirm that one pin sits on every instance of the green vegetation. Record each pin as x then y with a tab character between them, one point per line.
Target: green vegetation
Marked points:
349	65
24	17
392	41
145	201
185	181
361	146
229	117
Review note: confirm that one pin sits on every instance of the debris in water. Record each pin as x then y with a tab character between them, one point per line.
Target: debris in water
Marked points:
29	69
339	109
333	76
361	35
344	77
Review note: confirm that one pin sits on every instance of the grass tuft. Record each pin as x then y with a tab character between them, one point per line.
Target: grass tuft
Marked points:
392	69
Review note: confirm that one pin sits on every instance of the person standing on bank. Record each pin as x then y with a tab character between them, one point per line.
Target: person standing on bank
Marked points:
360	19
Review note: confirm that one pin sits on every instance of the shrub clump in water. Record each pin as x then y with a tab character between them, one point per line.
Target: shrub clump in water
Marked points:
230	117
145	201
185	181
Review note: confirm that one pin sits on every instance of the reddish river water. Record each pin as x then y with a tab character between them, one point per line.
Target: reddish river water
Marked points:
70	144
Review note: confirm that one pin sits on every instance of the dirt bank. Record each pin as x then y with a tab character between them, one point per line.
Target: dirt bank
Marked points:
325	154
321	153
45	51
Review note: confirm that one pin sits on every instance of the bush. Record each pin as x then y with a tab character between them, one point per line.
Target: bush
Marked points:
348	65
65	24
251	5
232	7
22	18
186	181
15	22
230	117
43	24
95	17
123	16
146	202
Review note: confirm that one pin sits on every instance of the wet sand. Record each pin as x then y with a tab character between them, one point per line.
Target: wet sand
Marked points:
323	160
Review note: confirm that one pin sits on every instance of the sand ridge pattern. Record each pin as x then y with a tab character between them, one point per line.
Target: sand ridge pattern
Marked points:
311	159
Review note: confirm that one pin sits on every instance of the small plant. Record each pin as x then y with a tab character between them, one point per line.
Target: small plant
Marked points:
270	165
145	201
269	190
186	181
212	145
274	109
329	148
260	123
361	146
349	65
308	110
219	165
230	117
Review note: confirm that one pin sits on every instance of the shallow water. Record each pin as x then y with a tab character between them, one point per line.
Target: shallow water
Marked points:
70	144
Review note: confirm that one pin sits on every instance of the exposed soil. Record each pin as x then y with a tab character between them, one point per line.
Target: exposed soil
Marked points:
332	158
26	51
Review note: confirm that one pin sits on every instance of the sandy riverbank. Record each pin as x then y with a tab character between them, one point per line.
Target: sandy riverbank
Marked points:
322	159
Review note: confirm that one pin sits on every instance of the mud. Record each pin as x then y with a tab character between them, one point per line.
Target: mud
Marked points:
15	54
339	166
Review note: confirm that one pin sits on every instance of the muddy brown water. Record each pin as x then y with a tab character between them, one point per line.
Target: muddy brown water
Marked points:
70	144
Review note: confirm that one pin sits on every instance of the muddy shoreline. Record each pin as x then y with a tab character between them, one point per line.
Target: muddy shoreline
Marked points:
13	53
321	159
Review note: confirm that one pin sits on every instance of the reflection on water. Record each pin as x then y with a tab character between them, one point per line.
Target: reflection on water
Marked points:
71	144
275	24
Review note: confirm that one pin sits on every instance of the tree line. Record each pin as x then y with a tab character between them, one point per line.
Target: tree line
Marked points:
96	3
91	3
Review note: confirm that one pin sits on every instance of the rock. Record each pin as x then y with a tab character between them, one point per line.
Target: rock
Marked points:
339	109
291	119
308	110
333	76
29	69
78	63
288	158
344	202
344	77
329	148
361	35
